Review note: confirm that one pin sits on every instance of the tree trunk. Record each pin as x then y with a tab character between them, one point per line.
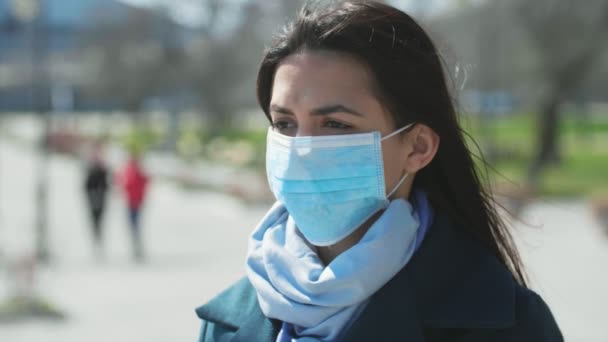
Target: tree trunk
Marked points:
218	117
547	146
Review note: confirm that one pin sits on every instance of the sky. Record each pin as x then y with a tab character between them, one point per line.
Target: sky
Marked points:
187	12
191	13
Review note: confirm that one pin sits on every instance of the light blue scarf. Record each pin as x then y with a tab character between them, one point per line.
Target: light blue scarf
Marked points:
294	286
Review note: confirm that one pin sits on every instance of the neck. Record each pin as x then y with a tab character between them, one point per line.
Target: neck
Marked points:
329	253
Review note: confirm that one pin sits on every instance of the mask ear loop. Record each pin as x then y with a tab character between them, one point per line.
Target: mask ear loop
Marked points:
403	178
397	132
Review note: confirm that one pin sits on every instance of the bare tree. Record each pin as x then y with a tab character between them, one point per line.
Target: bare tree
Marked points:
569	37
224	64
217	64
138	57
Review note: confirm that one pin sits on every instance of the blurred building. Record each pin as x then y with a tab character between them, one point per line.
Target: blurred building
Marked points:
74	38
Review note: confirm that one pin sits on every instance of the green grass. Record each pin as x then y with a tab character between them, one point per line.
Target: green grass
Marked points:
583	170
20	308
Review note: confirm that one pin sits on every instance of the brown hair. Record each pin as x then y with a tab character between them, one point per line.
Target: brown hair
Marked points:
409	72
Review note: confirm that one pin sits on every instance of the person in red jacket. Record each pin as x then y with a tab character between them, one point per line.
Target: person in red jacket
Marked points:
134	183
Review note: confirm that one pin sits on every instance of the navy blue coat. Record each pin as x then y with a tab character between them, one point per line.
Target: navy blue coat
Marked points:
453	289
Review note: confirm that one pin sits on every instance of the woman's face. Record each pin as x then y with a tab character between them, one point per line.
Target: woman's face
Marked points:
328	93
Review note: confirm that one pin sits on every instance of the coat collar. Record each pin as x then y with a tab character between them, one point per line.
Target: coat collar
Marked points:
237	309
451	282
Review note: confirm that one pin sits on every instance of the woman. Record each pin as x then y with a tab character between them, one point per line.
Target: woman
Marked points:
382	230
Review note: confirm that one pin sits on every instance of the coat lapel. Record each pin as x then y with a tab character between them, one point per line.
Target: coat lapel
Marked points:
238	309
459	283
257	327
390	315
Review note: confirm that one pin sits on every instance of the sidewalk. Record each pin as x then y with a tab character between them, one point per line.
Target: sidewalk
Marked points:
566	255
196	243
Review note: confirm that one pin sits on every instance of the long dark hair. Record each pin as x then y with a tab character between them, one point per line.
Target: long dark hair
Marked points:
409	74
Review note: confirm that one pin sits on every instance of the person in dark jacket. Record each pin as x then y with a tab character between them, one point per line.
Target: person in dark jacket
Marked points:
96	187
382	229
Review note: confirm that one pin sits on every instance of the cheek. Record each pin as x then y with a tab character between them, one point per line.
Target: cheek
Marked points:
393	163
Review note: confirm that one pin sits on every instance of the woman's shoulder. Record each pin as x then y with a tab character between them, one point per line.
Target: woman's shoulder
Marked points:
532	321
533	318
457	289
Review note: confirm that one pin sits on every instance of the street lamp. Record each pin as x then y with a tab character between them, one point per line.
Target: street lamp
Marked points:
30	13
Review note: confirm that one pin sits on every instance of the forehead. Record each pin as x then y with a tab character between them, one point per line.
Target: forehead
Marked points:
322	75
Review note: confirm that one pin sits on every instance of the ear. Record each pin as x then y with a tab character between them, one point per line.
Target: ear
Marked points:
423	144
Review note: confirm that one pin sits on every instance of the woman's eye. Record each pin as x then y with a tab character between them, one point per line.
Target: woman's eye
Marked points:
336	125
281	125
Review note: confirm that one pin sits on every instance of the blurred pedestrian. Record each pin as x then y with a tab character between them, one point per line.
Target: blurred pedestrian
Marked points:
96	187
134	183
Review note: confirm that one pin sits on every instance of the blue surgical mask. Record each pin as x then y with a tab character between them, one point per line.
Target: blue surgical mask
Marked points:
330	185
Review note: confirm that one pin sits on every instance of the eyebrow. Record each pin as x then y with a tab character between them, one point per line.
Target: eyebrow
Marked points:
326	110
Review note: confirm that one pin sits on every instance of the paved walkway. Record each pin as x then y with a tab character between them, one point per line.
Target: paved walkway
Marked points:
566	254
196	244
